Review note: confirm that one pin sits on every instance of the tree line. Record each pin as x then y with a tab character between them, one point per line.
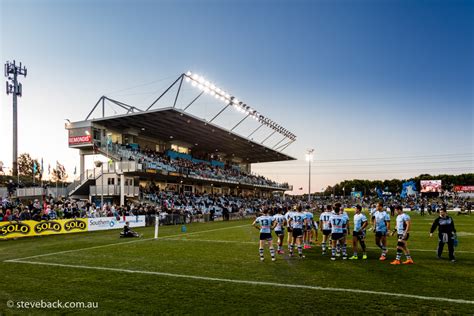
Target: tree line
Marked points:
368	187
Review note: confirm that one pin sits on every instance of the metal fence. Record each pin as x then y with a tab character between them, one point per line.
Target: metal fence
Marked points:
181	219
114	190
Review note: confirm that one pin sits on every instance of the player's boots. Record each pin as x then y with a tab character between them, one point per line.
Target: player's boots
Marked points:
364	257
408	261
382	258
395	262
354	258
333	258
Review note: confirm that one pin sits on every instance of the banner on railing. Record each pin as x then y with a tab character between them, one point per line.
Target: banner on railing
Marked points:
106	223
33	228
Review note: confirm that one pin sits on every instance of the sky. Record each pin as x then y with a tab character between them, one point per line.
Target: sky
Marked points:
380	89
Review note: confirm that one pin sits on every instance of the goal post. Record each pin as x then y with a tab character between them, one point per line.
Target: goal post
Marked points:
157	224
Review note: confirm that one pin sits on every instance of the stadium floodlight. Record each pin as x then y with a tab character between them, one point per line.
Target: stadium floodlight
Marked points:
210	88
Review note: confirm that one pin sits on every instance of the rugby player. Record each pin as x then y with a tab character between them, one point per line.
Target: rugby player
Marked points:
264	224
324	224
338	222
358	235
308	229
403	232
287	215
297	223
381	222
280	221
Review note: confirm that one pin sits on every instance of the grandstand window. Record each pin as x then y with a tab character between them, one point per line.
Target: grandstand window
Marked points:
111	181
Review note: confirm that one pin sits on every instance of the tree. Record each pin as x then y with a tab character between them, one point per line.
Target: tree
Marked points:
26	166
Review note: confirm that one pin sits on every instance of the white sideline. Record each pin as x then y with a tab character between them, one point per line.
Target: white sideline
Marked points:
297	286
121	243
256	243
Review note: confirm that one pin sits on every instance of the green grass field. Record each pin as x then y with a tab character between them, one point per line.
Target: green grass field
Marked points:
214	269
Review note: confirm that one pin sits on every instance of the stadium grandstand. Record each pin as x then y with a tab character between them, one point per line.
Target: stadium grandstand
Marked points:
173	150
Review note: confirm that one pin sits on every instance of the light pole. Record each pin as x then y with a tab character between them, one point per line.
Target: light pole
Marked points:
14	87
309	158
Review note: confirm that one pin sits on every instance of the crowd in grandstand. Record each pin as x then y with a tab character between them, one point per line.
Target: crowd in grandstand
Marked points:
192	167
179	208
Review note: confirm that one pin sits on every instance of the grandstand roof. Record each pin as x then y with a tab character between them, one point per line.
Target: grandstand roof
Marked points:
177	125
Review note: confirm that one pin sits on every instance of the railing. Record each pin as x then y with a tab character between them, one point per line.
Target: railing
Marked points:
55	192
109	190
113	167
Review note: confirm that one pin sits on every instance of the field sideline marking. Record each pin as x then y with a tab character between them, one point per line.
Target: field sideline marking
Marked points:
122	243
298	286
256	243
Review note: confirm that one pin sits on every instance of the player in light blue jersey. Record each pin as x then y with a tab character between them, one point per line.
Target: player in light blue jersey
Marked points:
308	229
346	229
297	222
288	215
358	235
280	221
338	223
265	224
381	222
325	227
403	232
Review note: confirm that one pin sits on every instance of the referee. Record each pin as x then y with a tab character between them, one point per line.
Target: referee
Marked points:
446	233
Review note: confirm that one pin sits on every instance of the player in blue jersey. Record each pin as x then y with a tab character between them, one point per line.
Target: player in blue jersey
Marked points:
297	222
287	215
325	227
308	229
346	230
358	235
338	222
265	224
403	232
381	221
280	221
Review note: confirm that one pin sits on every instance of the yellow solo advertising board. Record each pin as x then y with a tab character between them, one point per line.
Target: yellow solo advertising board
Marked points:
33	228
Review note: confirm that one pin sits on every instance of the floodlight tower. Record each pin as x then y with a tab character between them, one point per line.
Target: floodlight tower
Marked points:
14	87
309	158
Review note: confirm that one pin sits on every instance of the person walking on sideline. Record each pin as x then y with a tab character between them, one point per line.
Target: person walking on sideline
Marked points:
446	233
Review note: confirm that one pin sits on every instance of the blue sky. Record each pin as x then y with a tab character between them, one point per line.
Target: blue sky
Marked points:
353	79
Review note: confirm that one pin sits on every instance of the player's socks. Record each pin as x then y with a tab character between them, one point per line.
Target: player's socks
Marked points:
362	244
333	252
323	245
272	253
290	248
300	250
399	254
261	253
344	251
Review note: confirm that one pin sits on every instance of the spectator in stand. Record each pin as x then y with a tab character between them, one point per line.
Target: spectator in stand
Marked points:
8	215
52	214
25	215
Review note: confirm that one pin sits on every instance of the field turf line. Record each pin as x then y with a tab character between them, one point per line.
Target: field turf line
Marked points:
122	243
247	282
